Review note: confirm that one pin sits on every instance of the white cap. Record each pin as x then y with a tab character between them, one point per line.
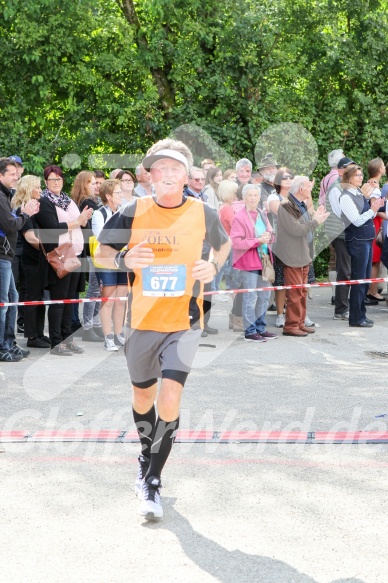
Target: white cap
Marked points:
152	158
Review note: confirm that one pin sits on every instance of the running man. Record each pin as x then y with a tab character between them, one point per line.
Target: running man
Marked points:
158	240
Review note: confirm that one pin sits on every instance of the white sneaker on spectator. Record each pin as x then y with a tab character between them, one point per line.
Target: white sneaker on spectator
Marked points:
119	339
308	323
343	316
109	343
280	321
222	298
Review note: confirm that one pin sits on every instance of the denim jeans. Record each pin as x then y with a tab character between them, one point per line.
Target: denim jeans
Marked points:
226	271
361	264
8	293
254	304
91	311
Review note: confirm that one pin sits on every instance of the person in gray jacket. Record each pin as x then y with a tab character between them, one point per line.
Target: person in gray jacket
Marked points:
294	249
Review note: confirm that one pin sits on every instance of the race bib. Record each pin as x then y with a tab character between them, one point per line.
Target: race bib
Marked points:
164	280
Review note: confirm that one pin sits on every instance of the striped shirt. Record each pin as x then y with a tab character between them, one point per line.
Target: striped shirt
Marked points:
350	210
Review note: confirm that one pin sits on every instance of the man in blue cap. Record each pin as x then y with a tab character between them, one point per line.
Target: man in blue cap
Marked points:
19	164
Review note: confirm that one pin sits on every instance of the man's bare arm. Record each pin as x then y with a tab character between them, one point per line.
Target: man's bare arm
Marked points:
137	258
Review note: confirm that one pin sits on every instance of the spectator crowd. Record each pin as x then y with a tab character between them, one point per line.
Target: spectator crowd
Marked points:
269	215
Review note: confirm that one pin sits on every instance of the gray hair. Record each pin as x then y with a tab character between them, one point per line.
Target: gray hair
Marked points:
249	187
334	157
196	169
170	144
297	183
243	162
138	169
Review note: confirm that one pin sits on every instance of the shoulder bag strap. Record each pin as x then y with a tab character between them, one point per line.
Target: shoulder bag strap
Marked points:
104	214
255	230
43	249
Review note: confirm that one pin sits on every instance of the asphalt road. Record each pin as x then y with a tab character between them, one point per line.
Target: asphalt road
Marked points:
233	512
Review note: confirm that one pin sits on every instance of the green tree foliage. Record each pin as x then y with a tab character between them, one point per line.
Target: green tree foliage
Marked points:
113	76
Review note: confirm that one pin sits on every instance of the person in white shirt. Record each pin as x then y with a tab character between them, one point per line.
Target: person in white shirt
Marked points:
358	214
335	232
113	282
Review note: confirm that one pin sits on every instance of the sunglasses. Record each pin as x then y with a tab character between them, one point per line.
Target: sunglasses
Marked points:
287	177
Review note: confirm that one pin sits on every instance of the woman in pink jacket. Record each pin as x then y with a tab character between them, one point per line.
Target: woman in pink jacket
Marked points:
251	236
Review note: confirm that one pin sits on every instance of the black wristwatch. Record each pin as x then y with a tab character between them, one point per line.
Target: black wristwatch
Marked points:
216	265
120	260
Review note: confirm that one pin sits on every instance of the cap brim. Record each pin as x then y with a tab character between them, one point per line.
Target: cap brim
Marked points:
347	164
268	166
149	161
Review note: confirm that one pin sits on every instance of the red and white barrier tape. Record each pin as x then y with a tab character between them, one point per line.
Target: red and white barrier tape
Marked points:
209	293
215	437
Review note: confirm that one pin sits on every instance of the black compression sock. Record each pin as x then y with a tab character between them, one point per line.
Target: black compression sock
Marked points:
145	425
164	436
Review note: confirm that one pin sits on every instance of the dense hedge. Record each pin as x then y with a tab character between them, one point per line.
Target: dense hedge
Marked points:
98	77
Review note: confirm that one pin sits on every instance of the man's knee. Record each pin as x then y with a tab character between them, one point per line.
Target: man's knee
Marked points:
170	394
144	396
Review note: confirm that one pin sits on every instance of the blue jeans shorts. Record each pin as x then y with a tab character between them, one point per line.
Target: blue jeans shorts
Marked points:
111	277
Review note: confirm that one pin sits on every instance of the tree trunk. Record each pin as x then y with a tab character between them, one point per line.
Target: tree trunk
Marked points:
162	83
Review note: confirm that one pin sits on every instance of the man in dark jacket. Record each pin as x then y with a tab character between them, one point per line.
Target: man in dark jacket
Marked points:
10	224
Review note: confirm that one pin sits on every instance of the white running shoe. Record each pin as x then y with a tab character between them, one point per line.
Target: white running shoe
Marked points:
344	316
150	506
120	339
109	343
222	298
280	321
308	323
144	463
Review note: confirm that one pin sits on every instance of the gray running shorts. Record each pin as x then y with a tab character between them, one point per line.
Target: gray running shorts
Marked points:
152	355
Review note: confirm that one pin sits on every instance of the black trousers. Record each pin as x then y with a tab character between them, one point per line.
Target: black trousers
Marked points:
207	304
343	269
33	315
207	300
59	315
